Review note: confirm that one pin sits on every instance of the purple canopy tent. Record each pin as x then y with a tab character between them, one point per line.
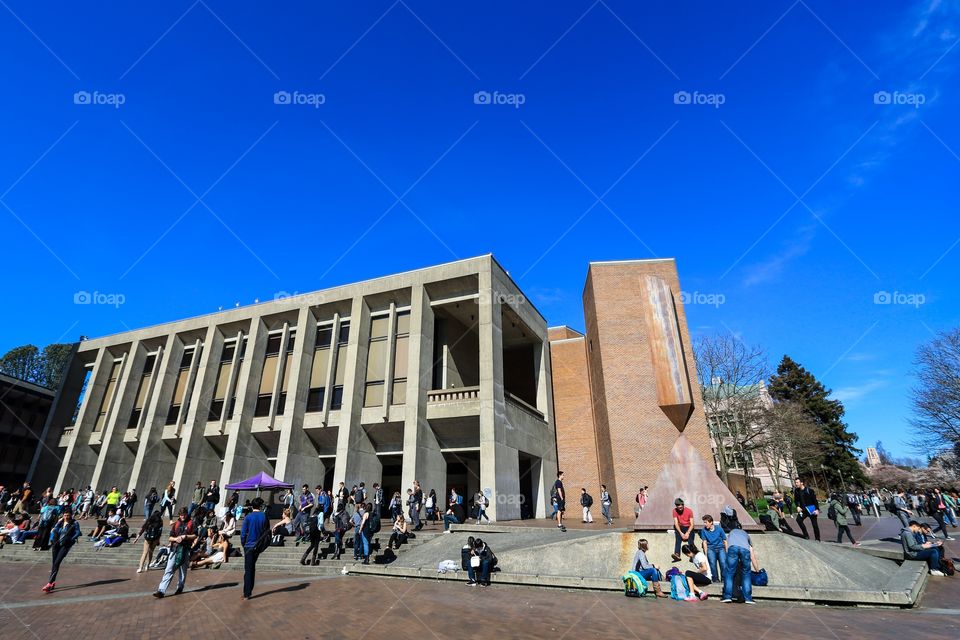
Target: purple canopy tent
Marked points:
258	483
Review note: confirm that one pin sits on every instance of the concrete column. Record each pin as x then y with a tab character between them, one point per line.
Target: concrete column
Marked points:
197	460
422	459
116	460
356	456
79	459
154	463
244	456
499	463
297	460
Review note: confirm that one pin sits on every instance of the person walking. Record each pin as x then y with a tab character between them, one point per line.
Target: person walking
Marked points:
807	507
150	531
65	534
840	510
149	502
182	536
740	557
937	508
315	531
169	499
255	526
481	502
418	503
901	510
605	503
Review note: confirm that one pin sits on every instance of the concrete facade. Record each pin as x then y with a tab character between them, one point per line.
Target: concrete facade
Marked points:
24	408
628	438
390	380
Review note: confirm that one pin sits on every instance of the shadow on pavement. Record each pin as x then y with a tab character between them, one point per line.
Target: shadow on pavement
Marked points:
291	588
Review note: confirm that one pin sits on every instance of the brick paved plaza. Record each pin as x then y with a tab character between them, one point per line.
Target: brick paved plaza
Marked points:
101	602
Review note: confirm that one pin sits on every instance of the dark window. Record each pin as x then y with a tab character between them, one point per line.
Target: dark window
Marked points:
336	400
263	406
216	410
315	400
273	344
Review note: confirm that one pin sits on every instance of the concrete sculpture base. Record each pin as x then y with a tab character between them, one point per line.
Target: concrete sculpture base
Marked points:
799	570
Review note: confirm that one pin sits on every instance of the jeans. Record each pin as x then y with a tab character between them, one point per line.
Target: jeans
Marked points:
678	541
415	516
59	553
361	543
193	507
605	510
952	517
448	520
210	506
482	513
931	555
479	574
938	516
737	557
651	574
168	573
249	571
147	510
904	518
717	561
841	529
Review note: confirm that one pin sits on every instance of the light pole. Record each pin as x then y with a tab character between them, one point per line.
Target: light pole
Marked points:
826	477
842	483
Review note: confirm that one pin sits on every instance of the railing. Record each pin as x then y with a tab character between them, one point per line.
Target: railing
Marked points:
453	395
529	408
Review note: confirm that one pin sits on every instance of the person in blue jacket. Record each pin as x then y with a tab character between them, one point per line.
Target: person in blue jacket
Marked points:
63	537
255	525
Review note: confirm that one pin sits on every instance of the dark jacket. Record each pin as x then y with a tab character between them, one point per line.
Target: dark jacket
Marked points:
65	536
805	497
933	504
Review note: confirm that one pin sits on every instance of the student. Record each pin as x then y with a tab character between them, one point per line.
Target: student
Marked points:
399	534
915	548
455	515
740	557
807	507
481	502
182	535
315	533
901	509
480	575
586	501
65	534
649	571
466	552
682	527
701	577
713	542
218	553
841	513
937	508
605	503
151	531
341	524
254	526
560	496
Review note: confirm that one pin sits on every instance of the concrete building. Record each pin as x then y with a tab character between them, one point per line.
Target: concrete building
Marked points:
613	425
24	407
439	375
873	458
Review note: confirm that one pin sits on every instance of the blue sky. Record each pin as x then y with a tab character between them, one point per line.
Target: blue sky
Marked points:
796	158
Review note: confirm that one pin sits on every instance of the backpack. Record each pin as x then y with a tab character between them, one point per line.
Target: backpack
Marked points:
728	523
832	511
891	506
946	565
589	501
634	586
153	532
373	523
678	587
759	578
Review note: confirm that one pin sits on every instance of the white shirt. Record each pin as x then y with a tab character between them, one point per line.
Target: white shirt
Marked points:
700	561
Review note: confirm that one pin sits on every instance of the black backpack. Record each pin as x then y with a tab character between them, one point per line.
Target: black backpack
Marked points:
728	523
589	500
832	511
373	523
153	532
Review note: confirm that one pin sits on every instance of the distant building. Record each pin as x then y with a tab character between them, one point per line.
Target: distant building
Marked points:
23	412
744	461
873	458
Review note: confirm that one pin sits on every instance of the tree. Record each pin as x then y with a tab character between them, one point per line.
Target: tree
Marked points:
730	375
936	396
839	455
22	363
788	441
44	368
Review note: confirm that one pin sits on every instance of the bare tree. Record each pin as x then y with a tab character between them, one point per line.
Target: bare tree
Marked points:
788	441
731	375
936	397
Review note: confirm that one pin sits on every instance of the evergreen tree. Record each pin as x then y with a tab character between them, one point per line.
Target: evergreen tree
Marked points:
793	383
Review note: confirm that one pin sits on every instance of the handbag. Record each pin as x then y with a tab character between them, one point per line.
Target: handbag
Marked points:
475	561
759	578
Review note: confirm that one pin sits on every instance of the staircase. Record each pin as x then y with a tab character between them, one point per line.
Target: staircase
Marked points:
284	559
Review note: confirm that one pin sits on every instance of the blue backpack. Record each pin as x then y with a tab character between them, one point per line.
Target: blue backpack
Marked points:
634	586
759	578
678	587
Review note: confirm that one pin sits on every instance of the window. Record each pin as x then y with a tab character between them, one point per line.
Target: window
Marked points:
142	391
233	392
336	398
223	380
181	386
107	397
376	361
400	358
269	376
287	365
318	374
